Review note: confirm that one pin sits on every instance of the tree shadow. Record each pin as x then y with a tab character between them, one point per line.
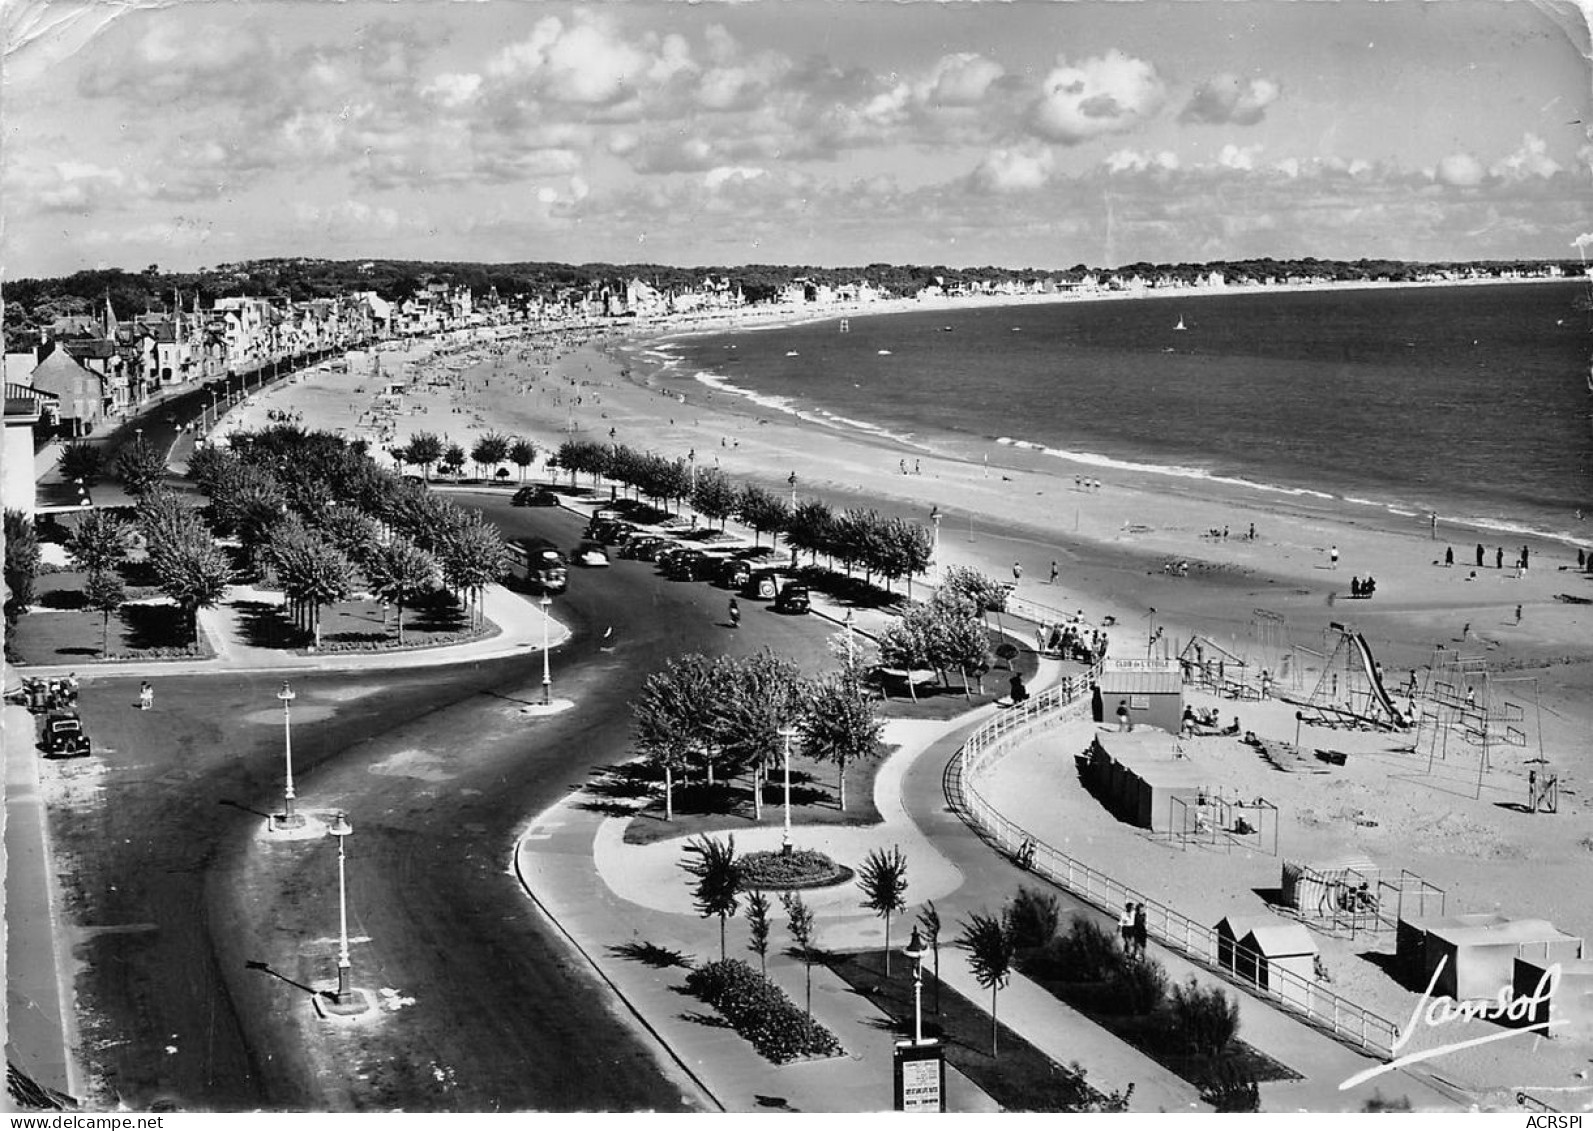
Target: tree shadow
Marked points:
708	1020
650	954
262	625
63	600
155	626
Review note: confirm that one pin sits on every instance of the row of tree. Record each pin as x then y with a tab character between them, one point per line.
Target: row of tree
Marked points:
490	451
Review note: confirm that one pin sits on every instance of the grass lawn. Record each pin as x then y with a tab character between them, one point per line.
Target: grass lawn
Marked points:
61	630
1021	1078
727	806
358	625
1153	1033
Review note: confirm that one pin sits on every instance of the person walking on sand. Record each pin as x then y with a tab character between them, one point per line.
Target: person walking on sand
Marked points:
735	614
1141	930
1017	572
1449	556
1055	571
1479	555
1518	614
1498	557
1123	723
146	696
1333	557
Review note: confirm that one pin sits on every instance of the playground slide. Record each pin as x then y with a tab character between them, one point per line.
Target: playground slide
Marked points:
1378	692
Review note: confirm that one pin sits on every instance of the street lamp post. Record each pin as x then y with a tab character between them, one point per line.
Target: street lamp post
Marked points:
547	676
935	516
792	481
1150	632
289	818
340	828
916	951
787	733
851	659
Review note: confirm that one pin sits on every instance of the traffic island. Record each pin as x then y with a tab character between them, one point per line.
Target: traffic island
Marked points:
330	1003
537	710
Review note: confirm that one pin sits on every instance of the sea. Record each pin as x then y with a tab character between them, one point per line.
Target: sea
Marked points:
1470	401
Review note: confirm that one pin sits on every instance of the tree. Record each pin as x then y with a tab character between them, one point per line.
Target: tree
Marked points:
756	698
958	638
714	497
762	511
192	570
82	460
105	594
140	467
472	556
758	928
810	528
398	572
905	642
990	954
799	919
313	573
521	453
489	451
98	542
883	879
673	715
714	865
453	460
929	923
21	564
839	724
425	449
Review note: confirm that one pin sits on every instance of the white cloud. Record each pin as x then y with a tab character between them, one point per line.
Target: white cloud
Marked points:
1133	161
716	178
452	90
1242	157
1106	94
1459	169
1014	170
961	80
589	62
1531	160
1226	99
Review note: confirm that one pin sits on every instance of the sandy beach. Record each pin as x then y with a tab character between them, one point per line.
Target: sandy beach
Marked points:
1118	548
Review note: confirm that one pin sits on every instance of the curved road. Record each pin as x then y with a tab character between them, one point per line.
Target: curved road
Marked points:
203	938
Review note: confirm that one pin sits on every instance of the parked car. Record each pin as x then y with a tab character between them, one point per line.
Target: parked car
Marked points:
591	554
64	737
735	573
793	598
533	496
688	564
764	584
646	548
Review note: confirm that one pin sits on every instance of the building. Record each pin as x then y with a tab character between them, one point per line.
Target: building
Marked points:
80	394
24	408
1152	689
1268	953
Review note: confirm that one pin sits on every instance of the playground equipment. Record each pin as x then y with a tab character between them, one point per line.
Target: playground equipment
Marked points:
1466	707
1350	692
1285	662
1209	665
1213	818
1352	897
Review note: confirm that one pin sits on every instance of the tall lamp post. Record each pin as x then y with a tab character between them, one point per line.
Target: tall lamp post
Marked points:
916	951
792	482
547	675
290	819
787	732
340	828
935	516
851	659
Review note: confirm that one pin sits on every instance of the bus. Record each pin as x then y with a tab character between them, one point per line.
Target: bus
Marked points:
537	564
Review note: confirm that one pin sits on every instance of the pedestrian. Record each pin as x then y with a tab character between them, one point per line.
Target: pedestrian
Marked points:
1518	614
735	614
1498	557
1479	555
1097	707
1252	532
1449	556
1056	571
1141	930
1017	571
1581	560
1524	553
1333	557
146	696
1078	483
1123	723
1125	927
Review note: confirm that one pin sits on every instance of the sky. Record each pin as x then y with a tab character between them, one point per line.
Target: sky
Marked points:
1023	134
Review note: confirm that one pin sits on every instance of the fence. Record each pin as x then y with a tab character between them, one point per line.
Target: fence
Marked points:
1306	998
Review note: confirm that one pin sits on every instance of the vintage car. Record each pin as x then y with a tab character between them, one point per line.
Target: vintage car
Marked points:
63	736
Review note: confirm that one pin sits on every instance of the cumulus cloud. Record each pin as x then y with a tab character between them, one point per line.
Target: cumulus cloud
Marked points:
1461	170
1226	99
452	90
1106	94
1530	160
1014	170
1132	161
588	61
961	80
1241	157
718	177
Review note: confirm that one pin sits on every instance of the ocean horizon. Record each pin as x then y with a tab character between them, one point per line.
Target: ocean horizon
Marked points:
1469	401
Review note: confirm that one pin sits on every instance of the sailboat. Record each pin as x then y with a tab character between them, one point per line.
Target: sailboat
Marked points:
1180	325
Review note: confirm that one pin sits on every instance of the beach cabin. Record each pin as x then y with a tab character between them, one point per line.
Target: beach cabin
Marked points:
1410	940
1569	1008
1269	953
1470	963
1324	889
1143	778
1153	690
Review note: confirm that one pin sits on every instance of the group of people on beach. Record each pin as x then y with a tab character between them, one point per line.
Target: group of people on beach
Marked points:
1071	642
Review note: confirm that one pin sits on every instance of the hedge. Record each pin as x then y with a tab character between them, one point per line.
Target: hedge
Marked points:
759	1010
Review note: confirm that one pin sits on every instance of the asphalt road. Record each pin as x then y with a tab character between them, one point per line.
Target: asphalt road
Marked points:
203	940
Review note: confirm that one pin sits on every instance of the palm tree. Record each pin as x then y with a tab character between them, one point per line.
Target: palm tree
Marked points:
718	875
883	879
990	952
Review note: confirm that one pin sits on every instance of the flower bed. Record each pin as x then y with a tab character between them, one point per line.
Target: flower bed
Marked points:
801	868
759	1010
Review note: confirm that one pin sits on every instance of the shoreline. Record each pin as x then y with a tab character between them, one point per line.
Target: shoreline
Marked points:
1111	543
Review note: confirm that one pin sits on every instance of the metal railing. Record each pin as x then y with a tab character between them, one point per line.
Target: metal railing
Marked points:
1305	997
